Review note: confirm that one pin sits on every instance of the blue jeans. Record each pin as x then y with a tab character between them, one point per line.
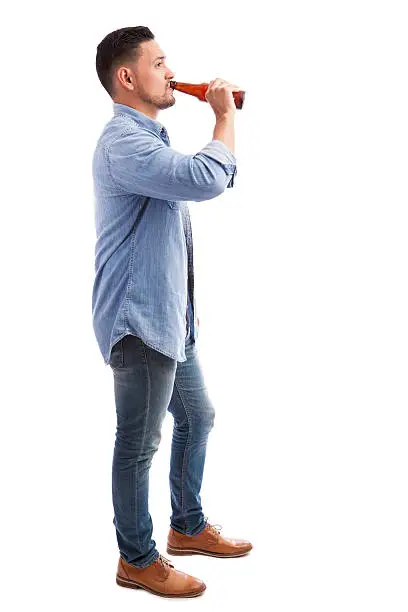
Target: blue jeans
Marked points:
146	384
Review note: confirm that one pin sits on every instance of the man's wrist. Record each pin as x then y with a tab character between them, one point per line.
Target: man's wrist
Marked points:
225	117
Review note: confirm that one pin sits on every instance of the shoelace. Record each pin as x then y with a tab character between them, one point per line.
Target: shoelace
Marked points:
164	561
213	527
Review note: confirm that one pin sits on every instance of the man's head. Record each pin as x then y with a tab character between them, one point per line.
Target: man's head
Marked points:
131	67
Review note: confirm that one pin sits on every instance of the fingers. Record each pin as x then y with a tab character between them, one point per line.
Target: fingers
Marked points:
221	82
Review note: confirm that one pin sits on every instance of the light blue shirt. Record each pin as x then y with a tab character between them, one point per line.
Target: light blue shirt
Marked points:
141	190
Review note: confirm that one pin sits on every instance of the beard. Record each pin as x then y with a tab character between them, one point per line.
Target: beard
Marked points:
165	101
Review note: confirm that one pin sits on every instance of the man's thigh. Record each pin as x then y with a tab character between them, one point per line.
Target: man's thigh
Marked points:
143	384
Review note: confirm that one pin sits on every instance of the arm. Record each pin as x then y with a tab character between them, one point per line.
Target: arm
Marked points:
141	163
225	130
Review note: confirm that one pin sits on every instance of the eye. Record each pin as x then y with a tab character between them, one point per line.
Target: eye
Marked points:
158	64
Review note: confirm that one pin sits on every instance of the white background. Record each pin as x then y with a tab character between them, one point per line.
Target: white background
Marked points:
301	289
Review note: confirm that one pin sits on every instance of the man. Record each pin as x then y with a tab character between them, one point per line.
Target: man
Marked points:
143	304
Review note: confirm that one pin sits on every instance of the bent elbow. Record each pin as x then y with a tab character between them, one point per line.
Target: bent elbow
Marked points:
220	184
210	191
211	180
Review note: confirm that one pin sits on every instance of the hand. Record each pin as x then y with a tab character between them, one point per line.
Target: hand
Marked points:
219	96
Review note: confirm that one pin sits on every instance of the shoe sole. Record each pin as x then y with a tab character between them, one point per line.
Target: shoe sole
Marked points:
130	584
197	551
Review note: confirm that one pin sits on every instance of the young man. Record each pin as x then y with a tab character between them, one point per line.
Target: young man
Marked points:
143	304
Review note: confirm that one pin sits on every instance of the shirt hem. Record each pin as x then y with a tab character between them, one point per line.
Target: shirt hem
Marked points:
151	345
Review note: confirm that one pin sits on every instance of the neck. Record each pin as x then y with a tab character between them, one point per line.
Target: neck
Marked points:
143	107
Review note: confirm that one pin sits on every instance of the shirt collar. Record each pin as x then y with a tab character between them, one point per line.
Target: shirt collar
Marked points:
152	124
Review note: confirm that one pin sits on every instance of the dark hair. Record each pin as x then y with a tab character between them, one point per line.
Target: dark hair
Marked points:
118	47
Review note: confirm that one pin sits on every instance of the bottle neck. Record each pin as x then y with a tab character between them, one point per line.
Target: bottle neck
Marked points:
191	89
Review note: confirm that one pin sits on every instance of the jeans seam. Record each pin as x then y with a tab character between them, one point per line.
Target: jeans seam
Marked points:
144	431
184	456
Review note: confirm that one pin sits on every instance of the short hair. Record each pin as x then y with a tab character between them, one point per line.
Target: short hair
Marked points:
116	48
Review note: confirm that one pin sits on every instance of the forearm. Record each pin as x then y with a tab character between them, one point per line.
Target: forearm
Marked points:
224	130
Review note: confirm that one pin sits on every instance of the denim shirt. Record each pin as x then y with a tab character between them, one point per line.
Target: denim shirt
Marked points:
143	250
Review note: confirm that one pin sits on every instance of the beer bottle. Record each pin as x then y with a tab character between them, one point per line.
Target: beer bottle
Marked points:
200	89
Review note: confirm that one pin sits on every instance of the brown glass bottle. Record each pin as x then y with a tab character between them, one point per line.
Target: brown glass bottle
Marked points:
200	89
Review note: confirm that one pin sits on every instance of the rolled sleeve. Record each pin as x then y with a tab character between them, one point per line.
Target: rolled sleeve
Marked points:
218	151
141	163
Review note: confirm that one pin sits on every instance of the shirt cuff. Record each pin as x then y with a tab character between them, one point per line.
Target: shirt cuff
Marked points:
220	152
231	183
217	150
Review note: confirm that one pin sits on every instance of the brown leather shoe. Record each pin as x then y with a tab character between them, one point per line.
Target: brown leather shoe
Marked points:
208	542
159	578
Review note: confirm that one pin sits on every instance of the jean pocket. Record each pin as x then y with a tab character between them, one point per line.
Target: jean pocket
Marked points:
116	358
